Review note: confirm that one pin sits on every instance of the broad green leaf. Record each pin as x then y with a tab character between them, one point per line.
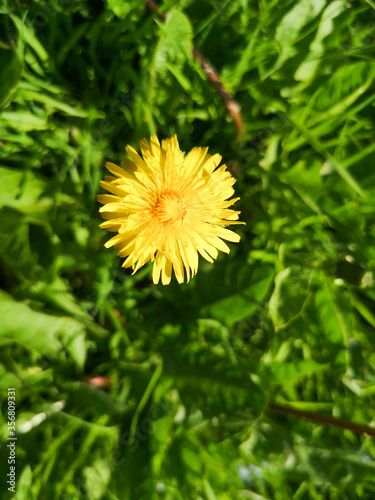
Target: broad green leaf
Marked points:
308	183
41	332
58	295
175	44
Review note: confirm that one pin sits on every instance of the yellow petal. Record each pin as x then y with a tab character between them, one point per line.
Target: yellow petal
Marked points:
113	188
166	271
107	198
137	160
113	241
115	170
193	160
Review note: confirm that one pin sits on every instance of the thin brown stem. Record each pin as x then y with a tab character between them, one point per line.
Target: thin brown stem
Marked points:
320	418
232	106
155	8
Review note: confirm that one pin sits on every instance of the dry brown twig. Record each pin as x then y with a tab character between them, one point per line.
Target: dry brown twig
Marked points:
321	418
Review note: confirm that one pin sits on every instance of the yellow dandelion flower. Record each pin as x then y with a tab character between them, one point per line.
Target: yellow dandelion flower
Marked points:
168	207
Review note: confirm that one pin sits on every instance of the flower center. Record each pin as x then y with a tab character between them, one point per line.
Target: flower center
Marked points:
169	207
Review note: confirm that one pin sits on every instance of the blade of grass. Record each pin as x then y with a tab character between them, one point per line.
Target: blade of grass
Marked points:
319	148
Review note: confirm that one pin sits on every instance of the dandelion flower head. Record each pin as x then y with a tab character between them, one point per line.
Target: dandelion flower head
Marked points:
168	208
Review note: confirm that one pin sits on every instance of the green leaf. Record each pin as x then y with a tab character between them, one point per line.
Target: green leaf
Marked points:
97	479
334	315
41	332
344	88
175	44
318	146
283	373
58	295
15	248
27	35
288	298
24	484
244	62
240	300
335	466
289	28
22	190
209	382
307	70
23	121
11	70
55	104
120	8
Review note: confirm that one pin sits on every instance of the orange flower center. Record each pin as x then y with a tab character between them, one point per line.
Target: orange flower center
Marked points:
169	208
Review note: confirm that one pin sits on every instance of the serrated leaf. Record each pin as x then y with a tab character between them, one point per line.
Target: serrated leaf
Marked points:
307	70
283	373
210	382
288	30
243	300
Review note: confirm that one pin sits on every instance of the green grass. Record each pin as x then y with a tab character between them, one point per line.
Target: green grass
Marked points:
191	374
